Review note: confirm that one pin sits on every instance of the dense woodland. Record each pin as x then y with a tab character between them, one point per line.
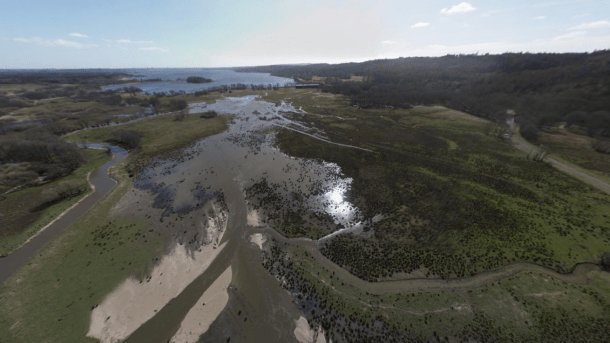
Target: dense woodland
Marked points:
543	89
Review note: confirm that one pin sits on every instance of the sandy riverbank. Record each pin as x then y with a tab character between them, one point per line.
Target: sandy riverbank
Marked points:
135	301
207	309
258	239
305	334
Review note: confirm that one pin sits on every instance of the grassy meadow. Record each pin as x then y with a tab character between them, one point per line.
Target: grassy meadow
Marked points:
160	134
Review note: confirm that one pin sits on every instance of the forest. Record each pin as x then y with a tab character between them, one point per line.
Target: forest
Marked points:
543	89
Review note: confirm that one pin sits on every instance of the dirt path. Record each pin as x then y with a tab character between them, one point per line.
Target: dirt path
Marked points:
525	146
578	276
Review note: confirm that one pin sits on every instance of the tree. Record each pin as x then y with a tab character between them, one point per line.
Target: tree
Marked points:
529	132
177	105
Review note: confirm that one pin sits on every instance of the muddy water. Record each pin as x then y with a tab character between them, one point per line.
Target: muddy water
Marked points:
244	155
225	166
102	183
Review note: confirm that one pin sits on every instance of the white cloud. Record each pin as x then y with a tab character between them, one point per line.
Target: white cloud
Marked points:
420	24
128	41
155	48
540	17
462	7
388	42
78	35
52	42
593	25
571	35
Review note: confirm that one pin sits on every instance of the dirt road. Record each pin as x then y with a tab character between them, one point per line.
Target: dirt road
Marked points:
525	146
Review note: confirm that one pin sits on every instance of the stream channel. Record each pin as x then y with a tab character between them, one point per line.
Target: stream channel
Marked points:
228	165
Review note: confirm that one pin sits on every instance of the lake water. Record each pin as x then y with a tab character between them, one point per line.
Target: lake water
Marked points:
221	77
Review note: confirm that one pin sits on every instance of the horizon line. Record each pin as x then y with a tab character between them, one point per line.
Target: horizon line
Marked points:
307	63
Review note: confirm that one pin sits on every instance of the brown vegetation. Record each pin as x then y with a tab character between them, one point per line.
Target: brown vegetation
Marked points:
33	156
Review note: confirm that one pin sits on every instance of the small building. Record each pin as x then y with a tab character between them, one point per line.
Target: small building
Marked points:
308	85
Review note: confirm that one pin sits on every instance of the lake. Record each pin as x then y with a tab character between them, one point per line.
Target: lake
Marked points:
221	77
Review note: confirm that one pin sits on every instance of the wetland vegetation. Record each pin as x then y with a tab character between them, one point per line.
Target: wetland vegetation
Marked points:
351	201
455	200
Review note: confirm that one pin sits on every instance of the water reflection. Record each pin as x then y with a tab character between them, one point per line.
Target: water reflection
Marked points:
245	156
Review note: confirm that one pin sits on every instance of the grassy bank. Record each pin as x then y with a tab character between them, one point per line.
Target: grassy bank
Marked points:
160	134
19	223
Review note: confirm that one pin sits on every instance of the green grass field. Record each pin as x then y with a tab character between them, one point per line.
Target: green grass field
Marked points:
23	223
160	134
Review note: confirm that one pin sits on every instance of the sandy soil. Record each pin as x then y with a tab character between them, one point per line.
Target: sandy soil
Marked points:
254	218
134	302
305	334
207	309
258	239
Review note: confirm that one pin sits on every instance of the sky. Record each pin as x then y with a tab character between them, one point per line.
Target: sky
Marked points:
230	33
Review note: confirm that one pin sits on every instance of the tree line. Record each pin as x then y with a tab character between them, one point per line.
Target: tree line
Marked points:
543	89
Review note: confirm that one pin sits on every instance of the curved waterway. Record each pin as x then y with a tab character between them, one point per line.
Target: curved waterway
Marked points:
102	184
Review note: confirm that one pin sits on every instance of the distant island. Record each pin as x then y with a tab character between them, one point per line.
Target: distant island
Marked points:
198	79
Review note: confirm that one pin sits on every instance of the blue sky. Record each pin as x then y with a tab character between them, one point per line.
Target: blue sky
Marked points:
192	33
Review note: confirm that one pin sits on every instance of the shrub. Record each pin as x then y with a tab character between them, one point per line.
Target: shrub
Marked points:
208	114
128	139
39	145
58	193
177	105
602	146
179	116
606	261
